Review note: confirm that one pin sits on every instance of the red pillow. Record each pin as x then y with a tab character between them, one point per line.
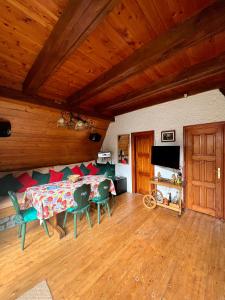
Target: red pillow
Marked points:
93	169
27	181
55	176
77	170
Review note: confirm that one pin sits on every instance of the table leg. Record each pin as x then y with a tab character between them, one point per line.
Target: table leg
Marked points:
57	229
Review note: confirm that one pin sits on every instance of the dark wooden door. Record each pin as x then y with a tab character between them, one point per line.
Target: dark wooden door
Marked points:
143	170
204	168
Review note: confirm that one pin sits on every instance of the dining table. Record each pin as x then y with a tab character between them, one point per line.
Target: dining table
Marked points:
53	198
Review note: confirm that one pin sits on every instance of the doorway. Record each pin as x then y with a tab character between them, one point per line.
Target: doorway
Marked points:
204	168
142	169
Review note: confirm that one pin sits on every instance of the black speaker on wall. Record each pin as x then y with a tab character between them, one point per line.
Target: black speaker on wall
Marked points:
5	128
95	137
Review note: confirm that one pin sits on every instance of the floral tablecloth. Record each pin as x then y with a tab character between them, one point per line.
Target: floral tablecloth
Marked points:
56	197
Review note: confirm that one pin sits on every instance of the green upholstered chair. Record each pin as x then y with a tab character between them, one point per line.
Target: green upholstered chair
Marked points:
23	217
103	198
81	196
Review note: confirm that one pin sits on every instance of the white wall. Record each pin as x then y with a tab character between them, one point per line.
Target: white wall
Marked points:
202	108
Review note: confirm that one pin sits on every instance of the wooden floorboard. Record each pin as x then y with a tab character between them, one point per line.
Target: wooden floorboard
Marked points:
135	254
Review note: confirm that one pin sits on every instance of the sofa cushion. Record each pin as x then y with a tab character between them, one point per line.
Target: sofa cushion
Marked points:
102	168
84	170
76	170
26	182
9	183
40	177
55	176
93	169
108	170
67	172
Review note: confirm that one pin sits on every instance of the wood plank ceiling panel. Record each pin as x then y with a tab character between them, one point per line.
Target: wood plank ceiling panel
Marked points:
24	25
117	37
104	48
176	64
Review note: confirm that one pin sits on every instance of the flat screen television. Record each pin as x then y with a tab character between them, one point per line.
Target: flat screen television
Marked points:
166	156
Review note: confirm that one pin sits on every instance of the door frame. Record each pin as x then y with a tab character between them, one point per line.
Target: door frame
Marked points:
133	162
185	128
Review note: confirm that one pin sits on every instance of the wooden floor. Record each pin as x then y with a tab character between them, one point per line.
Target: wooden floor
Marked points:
135	254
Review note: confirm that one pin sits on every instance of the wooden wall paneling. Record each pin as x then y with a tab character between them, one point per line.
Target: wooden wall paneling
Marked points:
189	32
62	105
36	141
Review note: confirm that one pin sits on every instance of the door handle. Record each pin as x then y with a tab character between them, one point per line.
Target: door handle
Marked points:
218	173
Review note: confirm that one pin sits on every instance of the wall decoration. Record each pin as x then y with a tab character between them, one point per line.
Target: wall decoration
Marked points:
168	136
123	149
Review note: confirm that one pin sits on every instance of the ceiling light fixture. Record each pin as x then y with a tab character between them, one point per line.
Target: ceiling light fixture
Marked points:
70	121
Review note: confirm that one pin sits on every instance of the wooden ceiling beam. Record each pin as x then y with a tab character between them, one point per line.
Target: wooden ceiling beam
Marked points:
207	23
192	75
38	100
174	95
78	20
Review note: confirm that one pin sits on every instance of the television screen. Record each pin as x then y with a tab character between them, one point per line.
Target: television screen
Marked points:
166	156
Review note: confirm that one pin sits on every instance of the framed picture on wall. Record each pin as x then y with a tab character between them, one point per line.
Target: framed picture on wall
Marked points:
168	136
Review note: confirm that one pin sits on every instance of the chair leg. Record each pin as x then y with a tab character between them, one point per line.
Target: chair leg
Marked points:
45	227
88	218
19	230
64	222
75	225
23	229
99	213
108	208
113	200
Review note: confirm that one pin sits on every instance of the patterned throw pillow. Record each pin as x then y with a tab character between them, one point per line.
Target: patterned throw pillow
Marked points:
67	172
55	176
26	182
84	170
9	183
93	169
40	177
76	170
102	169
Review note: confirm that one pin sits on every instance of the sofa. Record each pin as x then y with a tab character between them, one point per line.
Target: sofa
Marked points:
18	181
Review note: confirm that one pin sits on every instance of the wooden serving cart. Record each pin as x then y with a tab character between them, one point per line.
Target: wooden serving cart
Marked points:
151	200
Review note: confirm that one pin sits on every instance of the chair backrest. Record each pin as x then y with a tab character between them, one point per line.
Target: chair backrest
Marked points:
81	195
14	200
103	189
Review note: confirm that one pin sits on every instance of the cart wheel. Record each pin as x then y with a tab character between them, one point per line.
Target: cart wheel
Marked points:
157	195
149	201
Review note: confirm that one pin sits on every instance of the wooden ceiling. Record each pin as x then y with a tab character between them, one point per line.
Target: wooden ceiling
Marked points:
107	57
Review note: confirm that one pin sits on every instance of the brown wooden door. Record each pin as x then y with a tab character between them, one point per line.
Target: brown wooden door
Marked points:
143	170
204	168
